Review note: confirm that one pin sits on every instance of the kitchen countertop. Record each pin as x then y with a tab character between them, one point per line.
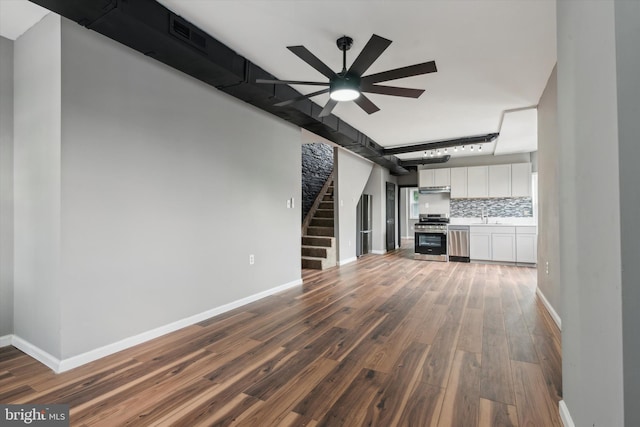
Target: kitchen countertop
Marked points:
493	221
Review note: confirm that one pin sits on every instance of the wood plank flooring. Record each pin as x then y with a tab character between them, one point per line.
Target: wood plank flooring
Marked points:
385	341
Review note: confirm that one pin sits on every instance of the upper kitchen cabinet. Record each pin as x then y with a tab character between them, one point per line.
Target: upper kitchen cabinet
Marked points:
426	178
500	181
434	177
478	181
458	183
442	177
521	180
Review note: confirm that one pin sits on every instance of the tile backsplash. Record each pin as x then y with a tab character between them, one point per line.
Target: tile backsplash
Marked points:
508	207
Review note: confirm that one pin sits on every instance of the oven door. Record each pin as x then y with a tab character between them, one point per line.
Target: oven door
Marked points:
431	245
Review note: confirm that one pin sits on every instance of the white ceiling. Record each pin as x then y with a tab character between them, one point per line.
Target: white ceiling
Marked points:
17	16
493	57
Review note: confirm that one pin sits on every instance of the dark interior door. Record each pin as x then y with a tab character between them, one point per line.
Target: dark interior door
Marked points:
391	216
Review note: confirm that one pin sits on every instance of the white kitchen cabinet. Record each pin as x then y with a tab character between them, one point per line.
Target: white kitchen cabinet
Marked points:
521	180
442	177
500	181
503	247
458	177
434	177
492	243
426	178
526	244
477	181
479	245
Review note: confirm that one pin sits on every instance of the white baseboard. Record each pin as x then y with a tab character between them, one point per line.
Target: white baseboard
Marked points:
552	312
5	340
347	261
565	416
377	252
73	362
36	352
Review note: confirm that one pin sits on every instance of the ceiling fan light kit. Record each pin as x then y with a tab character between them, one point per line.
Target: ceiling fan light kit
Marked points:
344	88
350	84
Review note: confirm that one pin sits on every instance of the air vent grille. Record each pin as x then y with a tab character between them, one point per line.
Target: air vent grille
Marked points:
187	32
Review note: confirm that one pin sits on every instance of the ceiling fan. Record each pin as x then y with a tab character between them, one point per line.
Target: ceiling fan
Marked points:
349	84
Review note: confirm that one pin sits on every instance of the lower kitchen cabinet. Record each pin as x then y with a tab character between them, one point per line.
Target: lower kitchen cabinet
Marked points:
480	246
526	245
492	243
503	247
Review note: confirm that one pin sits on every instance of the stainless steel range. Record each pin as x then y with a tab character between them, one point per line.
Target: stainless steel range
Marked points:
431	237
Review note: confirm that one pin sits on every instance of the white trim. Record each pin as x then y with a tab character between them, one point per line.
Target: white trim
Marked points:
5	340
59	366
376	252
347	261
98	353
550	309
565	416
36	352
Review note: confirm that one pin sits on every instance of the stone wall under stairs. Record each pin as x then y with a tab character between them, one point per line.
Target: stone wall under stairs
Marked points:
318	237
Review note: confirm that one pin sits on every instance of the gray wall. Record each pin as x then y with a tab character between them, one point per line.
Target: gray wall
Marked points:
37	151
599	179
627	16
154	229
549	198
352	173
6	186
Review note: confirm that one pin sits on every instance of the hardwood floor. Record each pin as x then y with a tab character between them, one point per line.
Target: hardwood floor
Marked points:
385	341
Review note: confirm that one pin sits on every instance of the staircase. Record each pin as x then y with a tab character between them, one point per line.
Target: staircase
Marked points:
318	241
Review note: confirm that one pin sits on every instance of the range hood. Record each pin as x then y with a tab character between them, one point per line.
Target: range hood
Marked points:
433	190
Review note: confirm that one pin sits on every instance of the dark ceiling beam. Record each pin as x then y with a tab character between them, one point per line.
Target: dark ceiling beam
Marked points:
424	161
427	146
155	31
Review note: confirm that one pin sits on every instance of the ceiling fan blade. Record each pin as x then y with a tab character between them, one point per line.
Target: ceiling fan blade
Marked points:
366	104
300	98
399	73
392	90
308	57
371	51
328	108
291	82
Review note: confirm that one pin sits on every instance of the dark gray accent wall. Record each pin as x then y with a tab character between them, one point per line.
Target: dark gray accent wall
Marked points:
627	17
317	165
6	186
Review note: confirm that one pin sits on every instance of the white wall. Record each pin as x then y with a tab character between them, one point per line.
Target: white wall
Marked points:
352	173
6	186
549	198
627	16
590	201
37	151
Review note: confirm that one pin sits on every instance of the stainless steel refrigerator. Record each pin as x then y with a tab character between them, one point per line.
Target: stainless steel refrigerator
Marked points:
363	225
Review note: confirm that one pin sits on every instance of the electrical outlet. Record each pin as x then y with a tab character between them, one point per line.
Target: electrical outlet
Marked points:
546	267
252	259
292	204
288	203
